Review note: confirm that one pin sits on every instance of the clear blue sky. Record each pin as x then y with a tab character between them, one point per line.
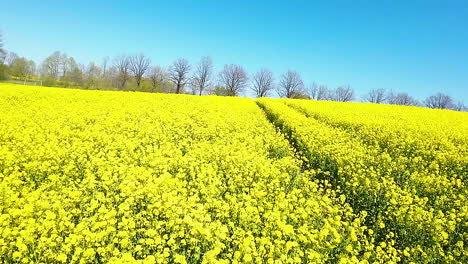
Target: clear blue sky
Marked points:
420	47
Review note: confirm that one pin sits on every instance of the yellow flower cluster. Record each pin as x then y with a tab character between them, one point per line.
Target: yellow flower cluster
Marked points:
428	148
405	168
116	177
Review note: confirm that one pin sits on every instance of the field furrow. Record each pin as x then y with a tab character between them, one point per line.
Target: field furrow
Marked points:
437	175
402	221
93	177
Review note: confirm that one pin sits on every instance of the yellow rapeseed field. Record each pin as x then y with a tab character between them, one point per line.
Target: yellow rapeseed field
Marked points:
405	167
125	177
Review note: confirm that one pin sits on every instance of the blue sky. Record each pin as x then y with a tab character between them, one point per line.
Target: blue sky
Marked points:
419	47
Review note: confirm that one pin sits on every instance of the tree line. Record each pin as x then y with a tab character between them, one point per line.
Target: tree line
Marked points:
137	73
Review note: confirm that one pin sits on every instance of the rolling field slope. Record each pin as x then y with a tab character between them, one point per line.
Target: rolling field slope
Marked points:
123	177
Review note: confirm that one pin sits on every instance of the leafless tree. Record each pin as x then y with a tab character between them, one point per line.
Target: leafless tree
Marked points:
439	100
157	75
139	64
105	61
262	82
32	69
460	107
202	77
234	78
72	70
122	65
193	84
342	94
401	99
318	92
51	65
91	76
75	74
178	73
291	85
377	96
58	65
10	58
64	64
2	50
312	90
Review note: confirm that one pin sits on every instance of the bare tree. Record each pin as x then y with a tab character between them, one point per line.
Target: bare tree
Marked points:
323	92
312	91
193	84
342	94
318	92
157	76
439	100
51	65
291	85
57	65
401	99
234	78
2	51
32	67
178	73
75	74
105	61
122	65
377	96
460	107
262	82
91	76
10	58
64	62
201	79
139	64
